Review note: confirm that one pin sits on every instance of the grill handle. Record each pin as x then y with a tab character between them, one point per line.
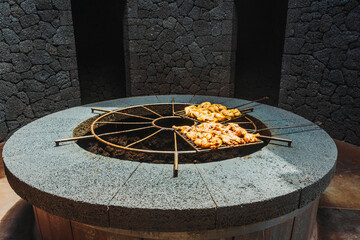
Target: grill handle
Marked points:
176	157
288	141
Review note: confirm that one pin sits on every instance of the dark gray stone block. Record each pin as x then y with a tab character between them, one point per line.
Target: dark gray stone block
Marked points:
48	15
10	36
30	33
5	9
47	30
39	57
21	62
13	108
7	89
26	46
62	4
353	59
64	35
201	28
28	6
5	55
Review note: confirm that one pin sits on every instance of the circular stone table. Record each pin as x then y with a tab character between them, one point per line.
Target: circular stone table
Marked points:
226	198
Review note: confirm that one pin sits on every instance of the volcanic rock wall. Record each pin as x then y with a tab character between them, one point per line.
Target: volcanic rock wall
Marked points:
38	72
321	65
181	47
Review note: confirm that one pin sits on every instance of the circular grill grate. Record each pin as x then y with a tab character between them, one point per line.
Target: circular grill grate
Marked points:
159	118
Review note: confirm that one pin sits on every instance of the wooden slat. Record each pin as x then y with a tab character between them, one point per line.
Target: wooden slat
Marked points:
304	223
299	227
251	236
281	231
37	221
53	227
84	232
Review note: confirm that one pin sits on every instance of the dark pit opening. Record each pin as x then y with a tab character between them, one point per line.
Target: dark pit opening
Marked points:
169	121
162	141
98	28
260	42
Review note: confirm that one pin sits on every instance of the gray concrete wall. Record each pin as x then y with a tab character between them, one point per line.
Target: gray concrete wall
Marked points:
183	46
38	71
321	63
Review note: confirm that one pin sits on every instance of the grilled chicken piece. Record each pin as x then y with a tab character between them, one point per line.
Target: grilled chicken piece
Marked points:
248	137
202	142
213	135
207	112
205	105
183	129
215	142
192	135
237	129
190	109
231	113
219	117
206	117
216	108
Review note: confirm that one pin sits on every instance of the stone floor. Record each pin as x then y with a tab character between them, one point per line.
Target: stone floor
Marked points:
339	207
338	214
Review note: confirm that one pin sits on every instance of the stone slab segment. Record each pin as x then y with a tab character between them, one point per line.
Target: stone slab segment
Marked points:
243	191
178	204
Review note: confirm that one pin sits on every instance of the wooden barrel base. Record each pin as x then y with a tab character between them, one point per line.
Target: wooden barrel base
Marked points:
297	225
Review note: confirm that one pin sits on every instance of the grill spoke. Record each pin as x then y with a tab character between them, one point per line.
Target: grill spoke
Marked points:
185	116
100	135
176	157
197	150
124	123
258	100
173	107
99	109
133	115
152	111
124	131
243	122
294	126
143	139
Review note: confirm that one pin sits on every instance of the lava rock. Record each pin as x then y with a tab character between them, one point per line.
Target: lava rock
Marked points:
64	35
39	57
10	36
21	62
13	108
28	6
